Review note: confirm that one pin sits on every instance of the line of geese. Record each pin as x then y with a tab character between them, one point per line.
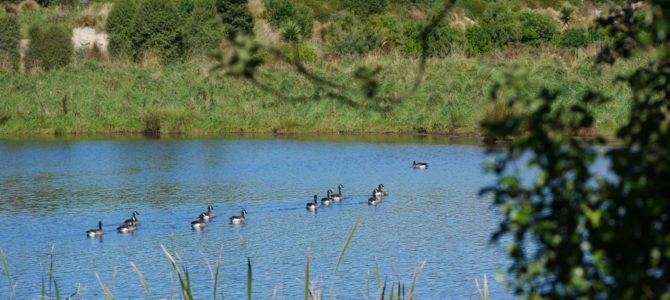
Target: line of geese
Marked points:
130	225
376	198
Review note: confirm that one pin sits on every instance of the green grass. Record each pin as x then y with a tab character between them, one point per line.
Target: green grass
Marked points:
188	98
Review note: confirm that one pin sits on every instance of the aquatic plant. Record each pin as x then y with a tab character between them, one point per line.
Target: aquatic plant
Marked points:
398	291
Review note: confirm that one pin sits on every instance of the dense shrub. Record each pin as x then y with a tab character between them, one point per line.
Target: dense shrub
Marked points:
42	2
478	40
444	38
348	35
596	34
236	17
156	30
9	41
280	13
574	38
322	10
50	47
473	8
119	29
410	42
69	4
205	28
536	28
28	5
300	52
364	8
501	24
391	30
185	7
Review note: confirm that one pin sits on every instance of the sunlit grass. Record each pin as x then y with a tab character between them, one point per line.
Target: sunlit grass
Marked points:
186	98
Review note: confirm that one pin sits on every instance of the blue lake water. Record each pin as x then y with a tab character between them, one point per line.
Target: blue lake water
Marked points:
52	191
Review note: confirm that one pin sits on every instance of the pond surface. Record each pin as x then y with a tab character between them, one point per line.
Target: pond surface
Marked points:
52	191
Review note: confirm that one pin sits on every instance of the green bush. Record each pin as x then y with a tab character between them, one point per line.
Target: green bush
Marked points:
392	30
69	4
185	7
364	7
283	12
574	38
291	32
444	39
567	12
322	10
410	41
119	28
348	35
236	17
204	27
596	34
501	24
473	8
156	30
536	28
50	47
300	52
478	40
9	41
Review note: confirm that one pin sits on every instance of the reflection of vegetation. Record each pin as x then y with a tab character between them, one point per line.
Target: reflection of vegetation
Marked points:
577	233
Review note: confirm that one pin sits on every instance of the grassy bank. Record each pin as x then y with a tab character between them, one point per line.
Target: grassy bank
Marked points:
187	98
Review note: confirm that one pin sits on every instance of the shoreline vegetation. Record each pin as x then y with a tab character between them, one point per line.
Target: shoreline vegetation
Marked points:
147	66
96	98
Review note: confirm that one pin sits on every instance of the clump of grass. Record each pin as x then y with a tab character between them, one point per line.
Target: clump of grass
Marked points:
105	289
182	275
483	292
346	243
87	20
143	281
53	284
5	267
152	123
28	5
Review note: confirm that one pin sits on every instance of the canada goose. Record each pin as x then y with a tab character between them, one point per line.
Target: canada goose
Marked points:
328	200
239	219
95	232
419	165
210	213
338	196
313	206
200	223
374	200
380	191
126	228
133	219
